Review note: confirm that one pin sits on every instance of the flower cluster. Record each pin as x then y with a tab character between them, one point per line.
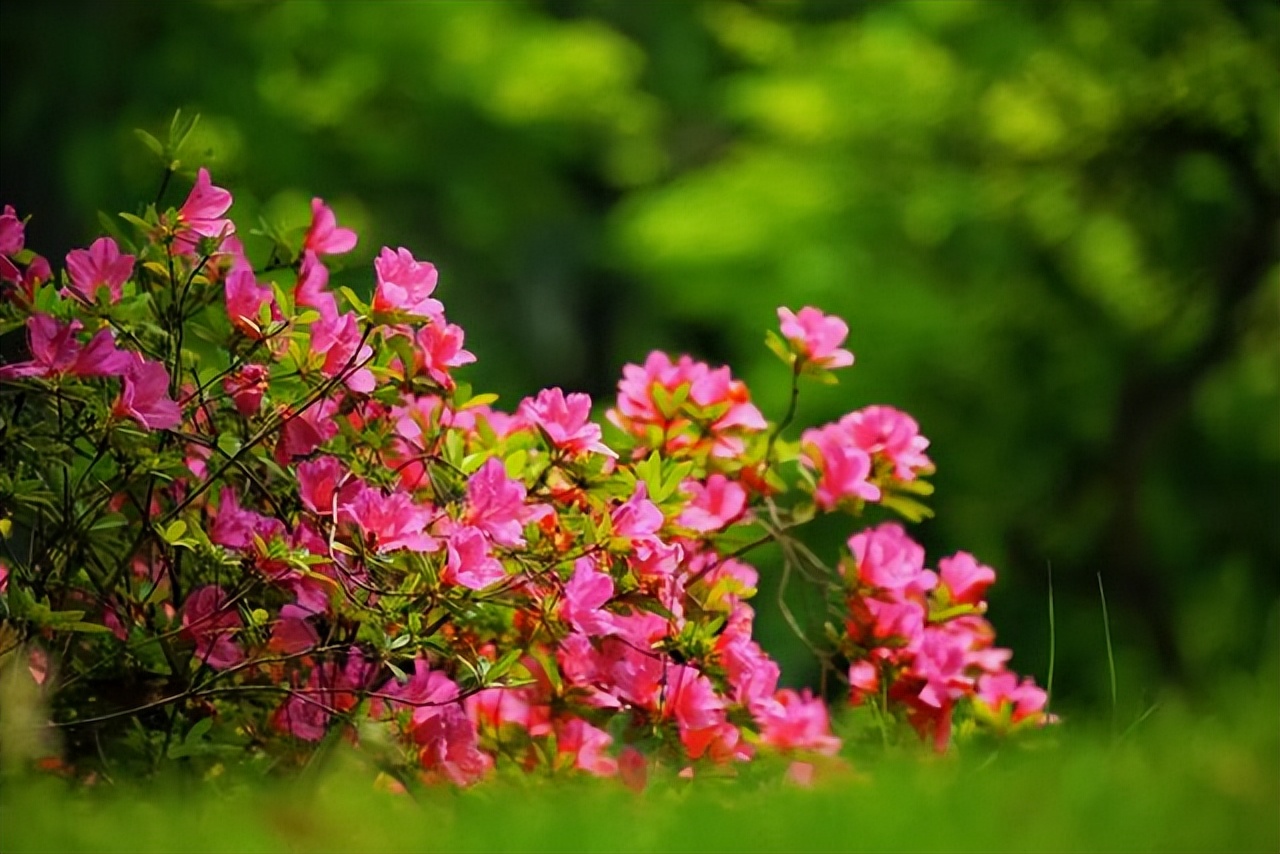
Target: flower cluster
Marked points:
278	500
918	638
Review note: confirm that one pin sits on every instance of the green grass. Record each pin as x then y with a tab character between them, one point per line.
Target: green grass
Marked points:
1180	780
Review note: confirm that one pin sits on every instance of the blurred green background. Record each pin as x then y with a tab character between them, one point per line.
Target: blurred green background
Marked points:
1051	226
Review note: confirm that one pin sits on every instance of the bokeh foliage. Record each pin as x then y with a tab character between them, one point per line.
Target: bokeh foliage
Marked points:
1052	228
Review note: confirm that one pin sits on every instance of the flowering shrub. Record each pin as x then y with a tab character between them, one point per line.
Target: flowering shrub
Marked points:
244	512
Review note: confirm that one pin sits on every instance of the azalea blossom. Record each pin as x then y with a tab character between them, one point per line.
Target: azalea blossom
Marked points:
405	285
324	235
816	337
144	396
56	351
565	420
102	264
201	215
212	623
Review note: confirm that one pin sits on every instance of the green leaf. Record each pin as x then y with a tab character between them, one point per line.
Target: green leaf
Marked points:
174	532
774	342
150	142
907	508
354	302
86	628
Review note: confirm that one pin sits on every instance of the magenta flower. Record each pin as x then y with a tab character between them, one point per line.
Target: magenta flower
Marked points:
202	214
405	285
843	467
100	265
312	286
392	522
12	232
469	562
57	352
325	237
889	560
235	527
144	396
1002	691
245	301
495	504
245	386
293	633
816	337
303	432
439	348
565	420
331	689
965	579
336	337
208	620
715	505
797	722
320	479
584	596
586	744
888	432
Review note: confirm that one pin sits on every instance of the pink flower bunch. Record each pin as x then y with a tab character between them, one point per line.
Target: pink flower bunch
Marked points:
337	535
21	270
685	407
857	456
918	637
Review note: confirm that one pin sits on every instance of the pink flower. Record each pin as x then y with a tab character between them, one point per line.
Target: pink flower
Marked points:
448	746
336	337
692	699
752	675
202	214
495	504
633	768
565	420
325	237
311	289
303	432
405	285
292	633
12	232
1002	691
585	594
816	337
586	744
638	518
320	479
245	386
965	579
101	264
208	620
715	505
888	432
685	405
940	660
246	301
439	347
144	396
843	467
887	559
235	527
392	522
57	352
331	689
469	562
797	722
